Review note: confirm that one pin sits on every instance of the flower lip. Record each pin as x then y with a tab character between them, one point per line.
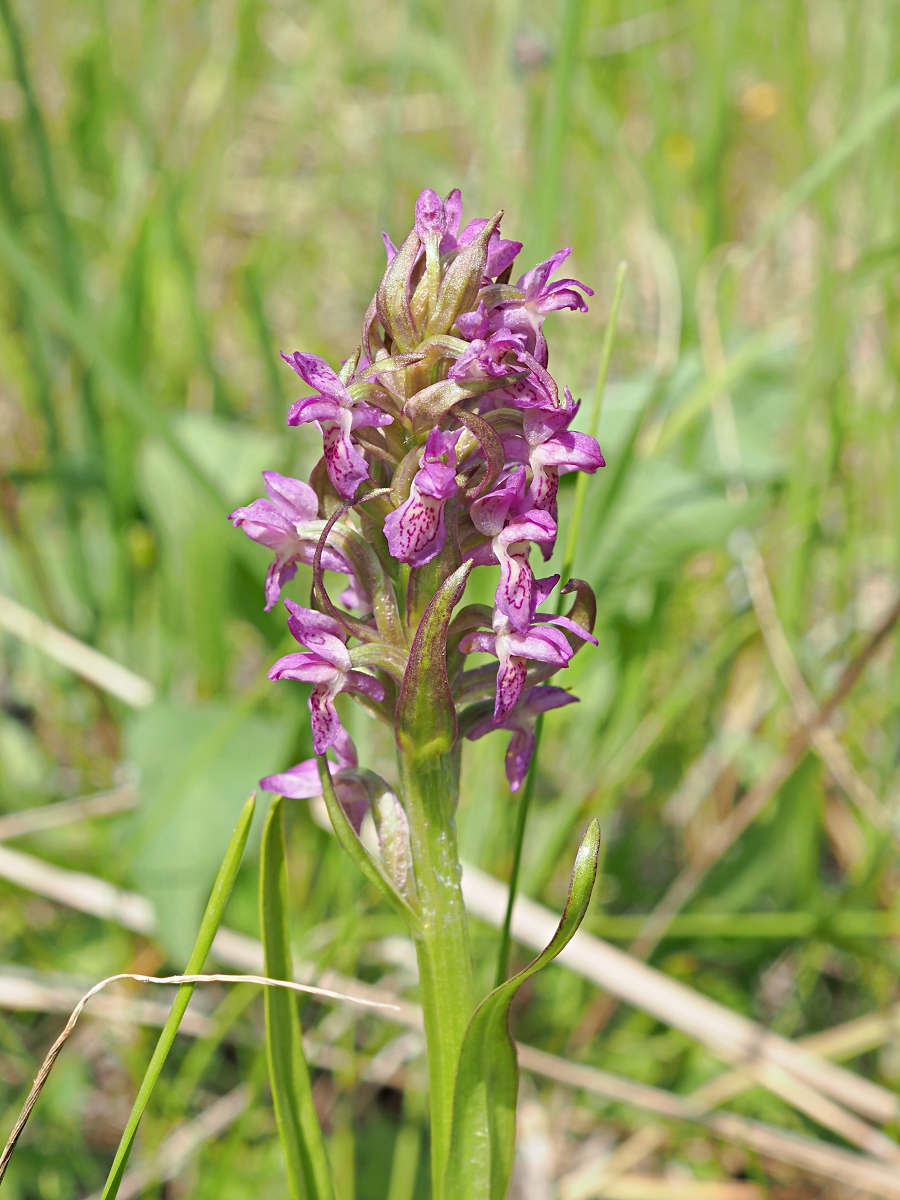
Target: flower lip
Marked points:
521	722
415	531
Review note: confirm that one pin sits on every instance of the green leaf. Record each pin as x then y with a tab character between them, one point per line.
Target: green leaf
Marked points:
426	717
373	870
196	765
487	1082
308	1171
212	918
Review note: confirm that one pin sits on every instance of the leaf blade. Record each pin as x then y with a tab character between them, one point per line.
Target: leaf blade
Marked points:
482	1144
308	1170
212	918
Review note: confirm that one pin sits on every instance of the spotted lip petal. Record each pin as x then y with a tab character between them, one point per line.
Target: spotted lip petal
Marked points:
415	531
520	722
346	467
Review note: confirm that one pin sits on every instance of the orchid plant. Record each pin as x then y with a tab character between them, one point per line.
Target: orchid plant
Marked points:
443	439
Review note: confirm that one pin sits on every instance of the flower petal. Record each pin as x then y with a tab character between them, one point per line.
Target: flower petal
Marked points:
297	783
511	676
326	724
295	499
415	531
319	375
519	753
314	408
345	465
366	685
307	668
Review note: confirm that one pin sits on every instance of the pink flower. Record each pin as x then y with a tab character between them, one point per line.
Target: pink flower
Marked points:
525	314
499	515
554	449
287	523
302	781
327	666
335	414
514	647
521	723
415	531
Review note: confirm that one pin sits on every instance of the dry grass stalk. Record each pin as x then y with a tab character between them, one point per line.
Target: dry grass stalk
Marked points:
726	1034
179	1147
69	652
66	812
822	738
724	835
732	1037
595	1178
55	1050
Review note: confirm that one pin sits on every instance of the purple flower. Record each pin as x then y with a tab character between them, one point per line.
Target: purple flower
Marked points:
302	781
553	449
521	722
327	666
499	515
514	646
486	358
415	531
513	649
525	315
335	413
434	216
287	523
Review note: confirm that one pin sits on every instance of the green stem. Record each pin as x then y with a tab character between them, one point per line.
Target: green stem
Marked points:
521	819
431	788
609	338
568	562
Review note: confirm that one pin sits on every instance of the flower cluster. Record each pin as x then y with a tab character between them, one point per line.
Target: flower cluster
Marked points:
443	436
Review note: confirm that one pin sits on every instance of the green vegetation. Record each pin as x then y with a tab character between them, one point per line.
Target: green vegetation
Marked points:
188	188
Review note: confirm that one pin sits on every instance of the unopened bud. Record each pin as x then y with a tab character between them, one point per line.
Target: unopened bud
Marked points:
460	286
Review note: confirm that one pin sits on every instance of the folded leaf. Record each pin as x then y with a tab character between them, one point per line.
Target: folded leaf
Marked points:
377	873
484	1108
308	1170
426	717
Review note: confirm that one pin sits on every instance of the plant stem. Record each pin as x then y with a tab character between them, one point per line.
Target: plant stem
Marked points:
431	788
521	819
609	338
568	562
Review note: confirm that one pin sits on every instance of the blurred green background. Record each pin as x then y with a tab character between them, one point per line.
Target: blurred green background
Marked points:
187	188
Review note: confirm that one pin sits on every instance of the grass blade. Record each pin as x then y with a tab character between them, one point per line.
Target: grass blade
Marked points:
308	1170
566	572
484	1103
609	338
212	918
